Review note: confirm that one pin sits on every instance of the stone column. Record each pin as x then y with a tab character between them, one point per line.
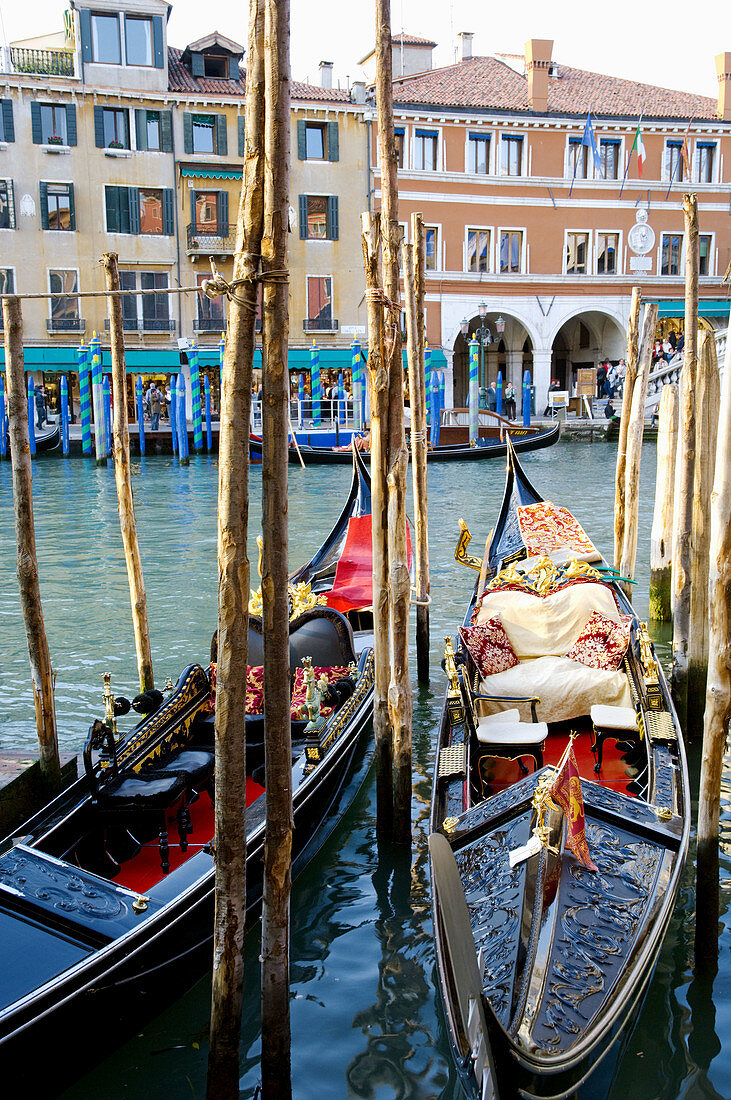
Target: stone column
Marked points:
541	377
514	367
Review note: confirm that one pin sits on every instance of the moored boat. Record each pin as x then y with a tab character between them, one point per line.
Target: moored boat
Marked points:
560	811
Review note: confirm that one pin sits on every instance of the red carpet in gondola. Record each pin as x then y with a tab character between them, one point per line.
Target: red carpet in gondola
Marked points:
353	585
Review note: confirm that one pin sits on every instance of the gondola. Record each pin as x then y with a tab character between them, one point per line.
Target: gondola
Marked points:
106	895
47	439
542	961
489	446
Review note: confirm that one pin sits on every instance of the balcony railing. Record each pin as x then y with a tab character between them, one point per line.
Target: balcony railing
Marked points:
157	324
320	324
210	241
209	324
65	324
42	62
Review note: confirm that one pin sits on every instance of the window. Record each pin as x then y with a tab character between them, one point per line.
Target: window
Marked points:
425	151
400	143
105	44
511	155
577	158
154	130
319	303
57	206
675	161
431	236
704	253
111	127
209	217
511	247
206	212
607	247
128	281
7	125
205	134
138	40
64	311
7	285
317	140
150	210
318	216
215	66
53	124
479	153
211	316
577	253
478	249
140	210
7	205
609	156
671	251
706	156
155	307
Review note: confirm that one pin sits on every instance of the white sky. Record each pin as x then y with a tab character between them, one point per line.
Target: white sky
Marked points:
665	42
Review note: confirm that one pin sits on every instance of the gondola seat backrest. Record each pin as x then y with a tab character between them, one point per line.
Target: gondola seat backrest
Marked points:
321	633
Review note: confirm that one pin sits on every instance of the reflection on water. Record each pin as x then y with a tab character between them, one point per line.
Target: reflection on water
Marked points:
365	1016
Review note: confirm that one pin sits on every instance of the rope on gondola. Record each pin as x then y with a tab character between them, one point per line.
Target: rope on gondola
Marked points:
145	973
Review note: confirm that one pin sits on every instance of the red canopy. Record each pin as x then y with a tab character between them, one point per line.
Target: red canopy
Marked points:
353	585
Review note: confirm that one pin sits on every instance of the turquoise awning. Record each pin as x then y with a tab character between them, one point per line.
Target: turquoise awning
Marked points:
212	173
707	307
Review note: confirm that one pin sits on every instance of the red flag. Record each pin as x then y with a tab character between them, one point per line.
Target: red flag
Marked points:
566	791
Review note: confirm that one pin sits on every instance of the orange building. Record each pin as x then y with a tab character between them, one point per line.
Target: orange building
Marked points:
527	217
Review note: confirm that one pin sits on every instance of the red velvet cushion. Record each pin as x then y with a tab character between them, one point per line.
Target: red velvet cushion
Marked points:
489	646
299	710
602	643
254	690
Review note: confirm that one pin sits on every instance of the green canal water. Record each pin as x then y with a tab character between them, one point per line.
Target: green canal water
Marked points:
366	1023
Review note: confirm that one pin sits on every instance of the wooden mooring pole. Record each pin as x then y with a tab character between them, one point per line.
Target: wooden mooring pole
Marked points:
661	538
123	478
718	687
414	298
633	336
25	538
685	469
233	596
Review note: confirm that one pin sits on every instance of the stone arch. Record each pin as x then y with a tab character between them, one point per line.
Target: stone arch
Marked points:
506	352
583	337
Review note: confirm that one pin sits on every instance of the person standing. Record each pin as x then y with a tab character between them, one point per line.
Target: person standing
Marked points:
155	406
509	398
40	407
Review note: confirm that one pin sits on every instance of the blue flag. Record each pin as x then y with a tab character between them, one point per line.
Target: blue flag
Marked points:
590	140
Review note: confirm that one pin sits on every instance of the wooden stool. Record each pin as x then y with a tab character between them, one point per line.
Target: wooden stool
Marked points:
615	723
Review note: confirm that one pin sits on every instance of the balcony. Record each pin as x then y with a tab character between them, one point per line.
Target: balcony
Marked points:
41	62
320	324
66	324
157	324
216	241
209	324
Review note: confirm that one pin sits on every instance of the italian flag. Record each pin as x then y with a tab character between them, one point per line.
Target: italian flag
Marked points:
639	145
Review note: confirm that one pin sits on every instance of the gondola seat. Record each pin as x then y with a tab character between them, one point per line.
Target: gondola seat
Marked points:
613	724
504	735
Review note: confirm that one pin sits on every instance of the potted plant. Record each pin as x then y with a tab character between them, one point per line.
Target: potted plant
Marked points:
115	145
54	139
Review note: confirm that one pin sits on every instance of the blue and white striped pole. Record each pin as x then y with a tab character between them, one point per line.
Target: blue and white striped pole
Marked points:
182	423
173	412
474	393
499	403
301	397
106	390
97	397
526	399
341	398
3	427
315	384
358	394
32	414
85	400
434	416
140	414
64	414
207	398
195	393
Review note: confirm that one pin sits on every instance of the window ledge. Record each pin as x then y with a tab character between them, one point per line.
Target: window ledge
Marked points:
56	149
3	146
117	152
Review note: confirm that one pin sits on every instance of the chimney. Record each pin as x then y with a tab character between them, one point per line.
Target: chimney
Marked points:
326	74
465	38
537	63
358	91
723	69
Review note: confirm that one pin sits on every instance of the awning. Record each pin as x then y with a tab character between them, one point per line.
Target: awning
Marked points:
212	173
707	307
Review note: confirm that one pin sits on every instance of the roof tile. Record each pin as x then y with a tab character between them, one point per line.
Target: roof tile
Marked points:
180	79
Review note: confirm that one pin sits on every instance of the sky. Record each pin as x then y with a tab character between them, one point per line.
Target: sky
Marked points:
662	42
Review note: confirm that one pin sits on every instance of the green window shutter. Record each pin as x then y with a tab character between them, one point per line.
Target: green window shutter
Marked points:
166	131
134	209
333	144
141	128
233	68
157	52
197	66
85	20
8	125
188	132
223	213
192	209
35	123
332	217
99	127
221	139
111	201
168	211
301	140
241	124
303	217
71	137
72	208
44	204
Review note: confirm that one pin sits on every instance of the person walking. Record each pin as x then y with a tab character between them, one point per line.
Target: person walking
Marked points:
155	406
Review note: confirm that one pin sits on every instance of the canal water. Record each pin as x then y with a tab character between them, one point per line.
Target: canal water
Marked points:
366	1023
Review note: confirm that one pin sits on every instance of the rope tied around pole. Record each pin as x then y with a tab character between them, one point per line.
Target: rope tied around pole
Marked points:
217	286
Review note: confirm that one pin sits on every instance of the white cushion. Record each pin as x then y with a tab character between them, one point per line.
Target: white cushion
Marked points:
512	733
566	689
510	715
614	718
543	626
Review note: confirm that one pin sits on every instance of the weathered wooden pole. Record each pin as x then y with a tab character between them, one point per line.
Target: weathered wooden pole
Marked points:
635	432
233	596
718	686
417	387
25	539
275	1055
378	396
685	468
399	692
661	538
706	425
123	478
633	336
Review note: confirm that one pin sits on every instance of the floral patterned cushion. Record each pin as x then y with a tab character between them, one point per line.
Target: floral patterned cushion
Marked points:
254	690
489	646
299	710
602	643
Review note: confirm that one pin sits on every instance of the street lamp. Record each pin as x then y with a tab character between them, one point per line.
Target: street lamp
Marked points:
485	338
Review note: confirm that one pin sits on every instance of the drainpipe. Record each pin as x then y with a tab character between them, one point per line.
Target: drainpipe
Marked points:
368	163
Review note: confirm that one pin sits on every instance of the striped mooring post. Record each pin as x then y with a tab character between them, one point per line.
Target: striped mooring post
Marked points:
97	397
195	393
64	414
207	399
173	412
499	388
3	425
356	366
526	399
182	423
315	385
32	415
474	391
301	397
107	391
83	358
434	416
140	414
341	398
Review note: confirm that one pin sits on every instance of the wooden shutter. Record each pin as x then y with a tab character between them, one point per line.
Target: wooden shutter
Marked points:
188	132
99	127
71	137
72	208
85	22
168	211
166	131
133	195
223	213
158	59
111	202
332	217
141	128
221	139
301	140
303	217
192	211
333	144
197	66
8	125
35	123
44	204
233	68
241	124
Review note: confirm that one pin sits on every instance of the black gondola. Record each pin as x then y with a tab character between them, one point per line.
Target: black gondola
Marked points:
543	962
103	917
